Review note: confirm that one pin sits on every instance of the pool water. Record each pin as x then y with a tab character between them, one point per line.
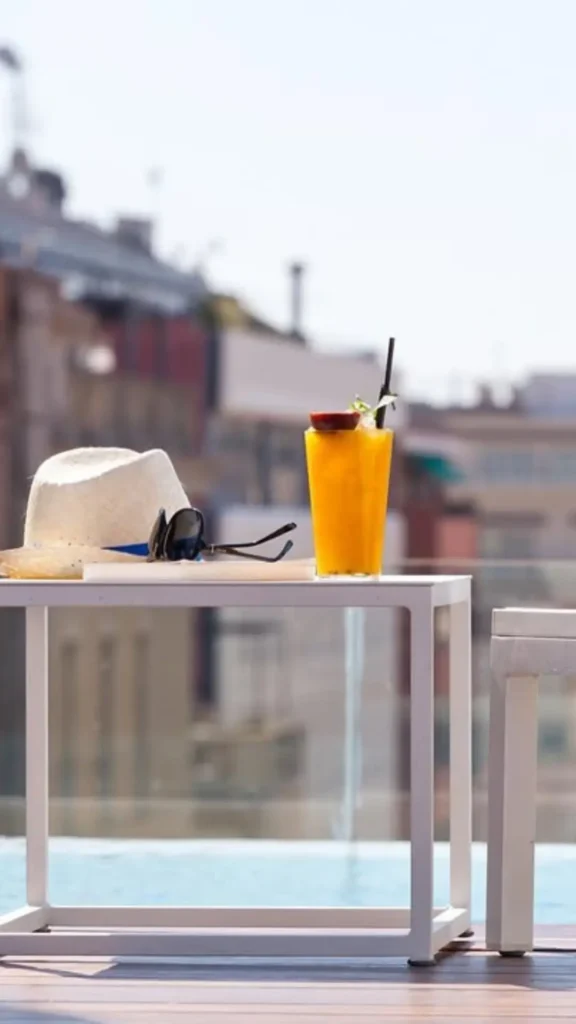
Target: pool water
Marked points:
262	873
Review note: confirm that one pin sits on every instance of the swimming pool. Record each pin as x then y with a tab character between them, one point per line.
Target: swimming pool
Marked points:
262	873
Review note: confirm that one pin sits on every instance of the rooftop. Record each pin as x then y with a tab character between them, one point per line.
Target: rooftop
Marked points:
35	232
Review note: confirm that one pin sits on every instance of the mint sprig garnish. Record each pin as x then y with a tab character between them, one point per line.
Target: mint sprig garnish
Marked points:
369	411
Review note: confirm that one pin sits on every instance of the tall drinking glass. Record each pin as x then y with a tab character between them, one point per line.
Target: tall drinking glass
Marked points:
348	478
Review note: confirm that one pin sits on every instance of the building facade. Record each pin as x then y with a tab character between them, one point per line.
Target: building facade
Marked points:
218	724
122	685
517	467
275	694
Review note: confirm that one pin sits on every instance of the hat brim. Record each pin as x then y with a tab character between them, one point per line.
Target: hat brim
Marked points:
65	562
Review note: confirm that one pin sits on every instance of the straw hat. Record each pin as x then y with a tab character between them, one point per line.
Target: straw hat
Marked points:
85	501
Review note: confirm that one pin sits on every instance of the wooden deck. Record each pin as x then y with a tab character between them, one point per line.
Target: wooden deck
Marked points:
465	987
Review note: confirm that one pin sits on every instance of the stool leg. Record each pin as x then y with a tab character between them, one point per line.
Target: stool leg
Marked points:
512	814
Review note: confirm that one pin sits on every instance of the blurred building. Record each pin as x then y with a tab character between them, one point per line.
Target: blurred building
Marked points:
119	712
274	689
104	344
68	378
517	466
255	744
440	535
37	232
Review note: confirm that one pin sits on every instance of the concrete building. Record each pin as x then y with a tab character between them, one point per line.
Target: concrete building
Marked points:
139	358
122	685
119	712
276	690
36	232
249	707
518	467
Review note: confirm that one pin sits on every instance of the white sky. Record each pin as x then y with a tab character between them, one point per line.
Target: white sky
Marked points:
420	155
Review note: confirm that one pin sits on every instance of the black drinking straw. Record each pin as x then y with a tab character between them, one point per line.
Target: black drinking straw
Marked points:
385	389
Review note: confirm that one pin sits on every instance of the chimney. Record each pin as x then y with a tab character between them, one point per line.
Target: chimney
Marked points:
485	396
296	272
135	232
51	186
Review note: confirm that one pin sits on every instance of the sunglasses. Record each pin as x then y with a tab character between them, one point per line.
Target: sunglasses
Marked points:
182	538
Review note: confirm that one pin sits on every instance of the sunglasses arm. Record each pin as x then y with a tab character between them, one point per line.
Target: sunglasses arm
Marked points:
287	528
227	549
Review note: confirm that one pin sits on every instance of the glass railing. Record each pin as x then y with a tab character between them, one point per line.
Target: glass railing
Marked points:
248	724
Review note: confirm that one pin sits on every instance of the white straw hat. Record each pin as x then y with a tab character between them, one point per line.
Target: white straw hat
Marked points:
85	501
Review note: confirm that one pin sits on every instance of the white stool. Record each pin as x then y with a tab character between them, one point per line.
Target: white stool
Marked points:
526	643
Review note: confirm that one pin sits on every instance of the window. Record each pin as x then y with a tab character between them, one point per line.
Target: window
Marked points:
534	465
105	704
553	740
557	466
69	717
514	465
510	541
142	716
160	340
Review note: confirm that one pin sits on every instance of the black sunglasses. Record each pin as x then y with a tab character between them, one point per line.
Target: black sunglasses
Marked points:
182	538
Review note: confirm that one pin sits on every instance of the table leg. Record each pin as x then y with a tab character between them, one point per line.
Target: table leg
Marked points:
422	782
460	755
512	773
354	634
37	756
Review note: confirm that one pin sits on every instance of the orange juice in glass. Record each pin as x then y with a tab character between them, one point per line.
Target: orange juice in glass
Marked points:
348	462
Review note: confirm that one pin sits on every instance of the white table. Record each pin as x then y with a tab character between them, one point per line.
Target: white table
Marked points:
527	643
418	932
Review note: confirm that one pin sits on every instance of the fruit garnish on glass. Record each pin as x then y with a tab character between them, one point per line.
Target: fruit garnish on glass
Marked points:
359	412
346	420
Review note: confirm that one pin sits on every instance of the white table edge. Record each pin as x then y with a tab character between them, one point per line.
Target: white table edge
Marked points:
388	591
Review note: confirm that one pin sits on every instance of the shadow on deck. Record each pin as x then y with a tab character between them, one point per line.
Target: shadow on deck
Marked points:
467	985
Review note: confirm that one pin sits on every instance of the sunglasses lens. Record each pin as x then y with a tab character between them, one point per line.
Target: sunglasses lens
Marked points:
155	543
184	535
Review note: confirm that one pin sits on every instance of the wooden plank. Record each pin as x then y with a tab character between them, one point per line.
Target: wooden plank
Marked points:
241	996
463	987
61	1013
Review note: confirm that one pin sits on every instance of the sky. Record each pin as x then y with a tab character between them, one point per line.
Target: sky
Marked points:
418	155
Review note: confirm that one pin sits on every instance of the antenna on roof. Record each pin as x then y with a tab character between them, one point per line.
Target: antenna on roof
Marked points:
12	63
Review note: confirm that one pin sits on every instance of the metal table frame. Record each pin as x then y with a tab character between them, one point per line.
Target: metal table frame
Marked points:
418	932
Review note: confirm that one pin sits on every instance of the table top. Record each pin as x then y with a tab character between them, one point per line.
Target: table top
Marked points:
387	591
